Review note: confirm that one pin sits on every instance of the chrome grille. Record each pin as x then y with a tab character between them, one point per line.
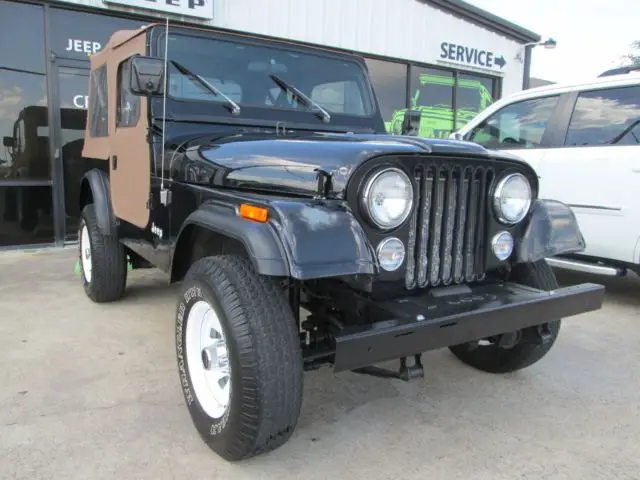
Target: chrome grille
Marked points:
446	237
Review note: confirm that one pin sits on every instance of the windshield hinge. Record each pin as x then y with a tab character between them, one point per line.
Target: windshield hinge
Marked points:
324	183
284	128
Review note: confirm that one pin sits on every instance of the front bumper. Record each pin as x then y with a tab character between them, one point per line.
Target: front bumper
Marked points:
454	315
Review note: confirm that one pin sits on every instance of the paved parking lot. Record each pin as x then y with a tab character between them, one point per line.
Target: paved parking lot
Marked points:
89	392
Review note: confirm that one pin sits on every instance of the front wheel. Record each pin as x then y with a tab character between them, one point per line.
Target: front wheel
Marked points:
239	357
492	356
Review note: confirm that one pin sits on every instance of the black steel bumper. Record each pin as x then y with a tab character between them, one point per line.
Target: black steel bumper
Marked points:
454	315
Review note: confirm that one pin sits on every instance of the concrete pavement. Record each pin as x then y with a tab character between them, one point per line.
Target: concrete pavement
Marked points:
91	391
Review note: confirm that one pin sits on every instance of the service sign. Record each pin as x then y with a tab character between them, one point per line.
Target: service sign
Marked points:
472	55
190	8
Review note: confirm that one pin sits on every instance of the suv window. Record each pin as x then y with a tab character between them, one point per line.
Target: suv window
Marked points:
519	125
606	117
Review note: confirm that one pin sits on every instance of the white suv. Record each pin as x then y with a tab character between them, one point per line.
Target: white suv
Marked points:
583	139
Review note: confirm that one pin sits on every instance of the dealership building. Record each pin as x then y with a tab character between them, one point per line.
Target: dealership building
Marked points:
446	57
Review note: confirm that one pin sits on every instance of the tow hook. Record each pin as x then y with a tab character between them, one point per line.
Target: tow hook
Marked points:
509	340
538	335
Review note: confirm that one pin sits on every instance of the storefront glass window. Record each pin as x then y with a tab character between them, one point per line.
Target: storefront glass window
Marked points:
390	84
432	94
78	35
21	37
26	215
73	84
473	94
23	111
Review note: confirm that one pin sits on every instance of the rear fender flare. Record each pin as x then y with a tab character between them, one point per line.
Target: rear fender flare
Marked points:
97	182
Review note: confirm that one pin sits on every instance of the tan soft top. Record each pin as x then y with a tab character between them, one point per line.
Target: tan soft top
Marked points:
121	45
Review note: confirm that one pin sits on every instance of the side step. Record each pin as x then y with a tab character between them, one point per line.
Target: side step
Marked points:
586	267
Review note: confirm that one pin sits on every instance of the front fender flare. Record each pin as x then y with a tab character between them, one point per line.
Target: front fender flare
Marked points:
322	238
302	239
552	230
258	239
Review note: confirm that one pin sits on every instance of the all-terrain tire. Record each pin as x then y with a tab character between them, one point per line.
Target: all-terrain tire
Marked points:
495	359
264	355
108	278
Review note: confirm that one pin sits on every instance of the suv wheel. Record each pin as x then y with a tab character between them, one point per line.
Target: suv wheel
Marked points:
102	259
494	358
239	357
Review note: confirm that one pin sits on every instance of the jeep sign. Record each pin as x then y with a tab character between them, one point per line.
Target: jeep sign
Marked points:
191	8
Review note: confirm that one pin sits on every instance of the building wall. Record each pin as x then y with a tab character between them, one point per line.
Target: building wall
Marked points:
402	29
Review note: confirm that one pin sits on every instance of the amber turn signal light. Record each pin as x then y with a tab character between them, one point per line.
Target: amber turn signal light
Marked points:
250	212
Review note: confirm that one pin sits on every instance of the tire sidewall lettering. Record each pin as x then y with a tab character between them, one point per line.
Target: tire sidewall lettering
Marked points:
194	292
184	381
83	224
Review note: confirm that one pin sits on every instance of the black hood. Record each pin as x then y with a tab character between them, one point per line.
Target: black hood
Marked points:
289	164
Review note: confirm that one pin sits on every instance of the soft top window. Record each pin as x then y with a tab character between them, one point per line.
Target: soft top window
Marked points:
242	73
98	105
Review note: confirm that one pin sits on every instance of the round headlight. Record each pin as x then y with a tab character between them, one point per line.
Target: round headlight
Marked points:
390	254
512	198
388	198
502	245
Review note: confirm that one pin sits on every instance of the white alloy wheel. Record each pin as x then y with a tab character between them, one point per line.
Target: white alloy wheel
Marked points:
85	253
208	359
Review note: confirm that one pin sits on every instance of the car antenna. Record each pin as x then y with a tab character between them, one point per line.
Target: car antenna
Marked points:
164	193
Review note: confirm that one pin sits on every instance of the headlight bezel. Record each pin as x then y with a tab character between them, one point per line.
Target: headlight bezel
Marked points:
497	195
385	241
366	192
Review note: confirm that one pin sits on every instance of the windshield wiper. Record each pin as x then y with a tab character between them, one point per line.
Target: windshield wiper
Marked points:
235	108
322	113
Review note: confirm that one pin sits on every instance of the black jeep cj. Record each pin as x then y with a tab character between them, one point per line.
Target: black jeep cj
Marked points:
258	174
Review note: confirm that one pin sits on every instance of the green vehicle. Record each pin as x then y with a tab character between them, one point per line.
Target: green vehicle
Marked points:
437	118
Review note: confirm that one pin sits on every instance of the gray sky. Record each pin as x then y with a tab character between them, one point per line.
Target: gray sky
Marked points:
591	36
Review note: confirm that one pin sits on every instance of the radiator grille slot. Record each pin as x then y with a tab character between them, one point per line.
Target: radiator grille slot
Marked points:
446	241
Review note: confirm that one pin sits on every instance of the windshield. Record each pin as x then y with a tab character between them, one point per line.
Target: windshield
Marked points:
243	73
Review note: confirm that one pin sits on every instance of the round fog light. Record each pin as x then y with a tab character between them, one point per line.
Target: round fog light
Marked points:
390	254
502	245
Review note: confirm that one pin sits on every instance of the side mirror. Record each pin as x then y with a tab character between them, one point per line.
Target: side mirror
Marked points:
456	136
411	122
7	142
147	75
